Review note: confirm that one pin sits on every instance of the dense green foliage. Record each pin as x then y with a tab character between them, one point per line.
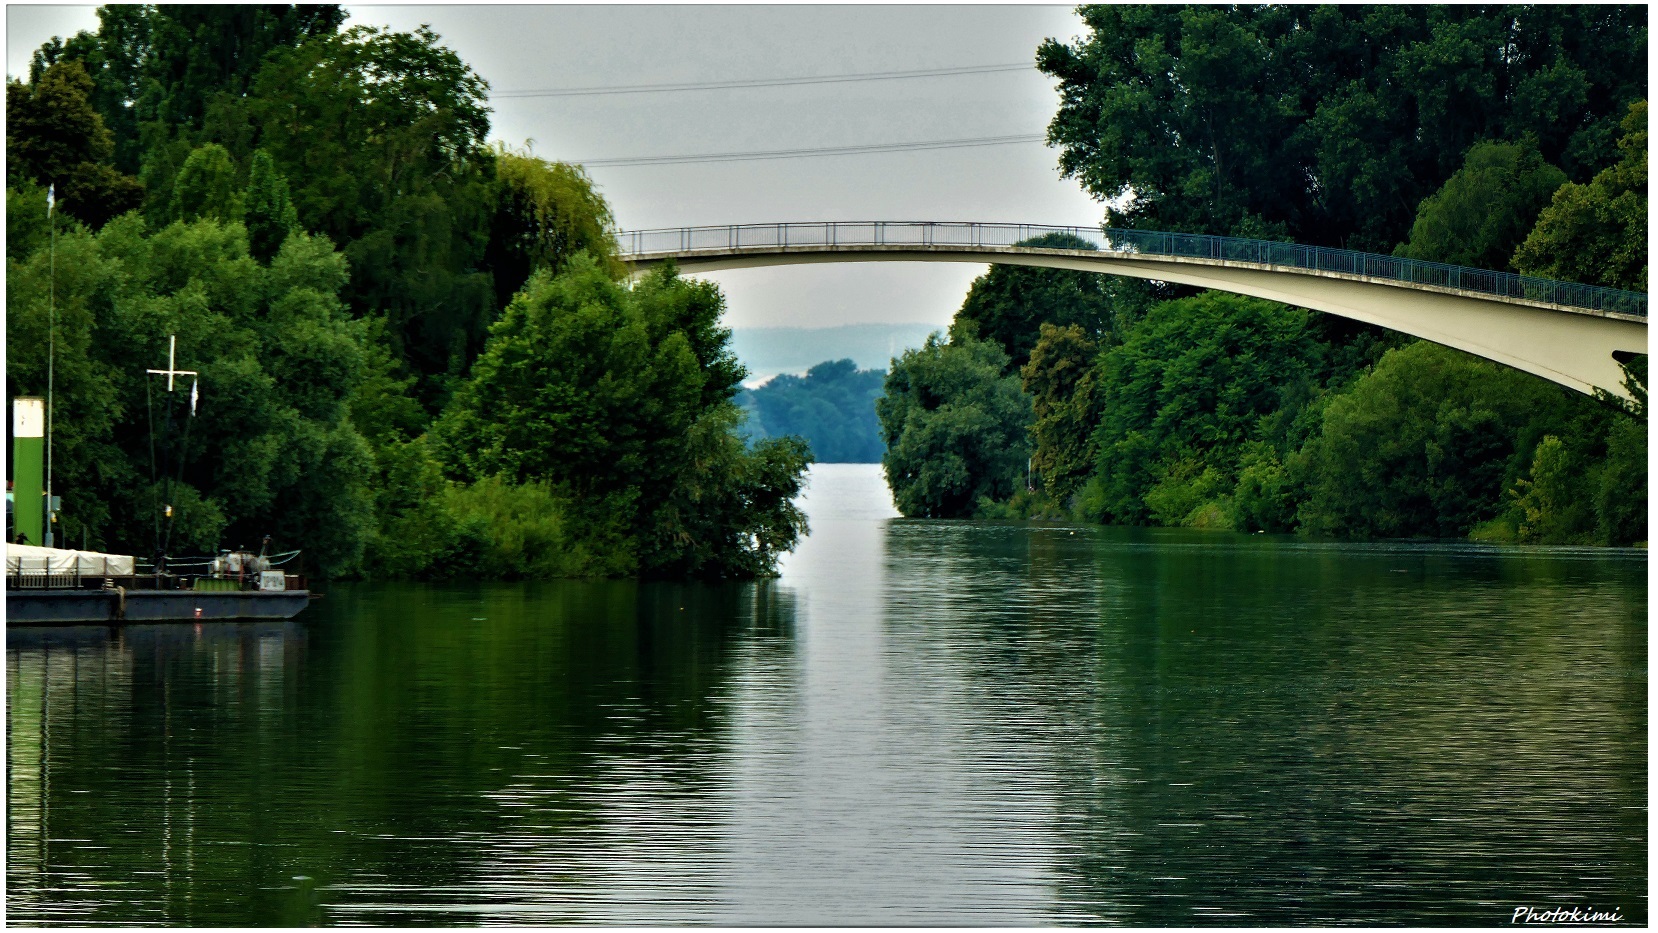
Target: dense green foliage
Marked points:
1008	304
269	211
273	449
382	136
1063	385
380	140
1486	209
1183	395
1426	443
205	186
1329	124
55	138
545	213
832	408
1473	135
1597	233
954	428
622	398
416	357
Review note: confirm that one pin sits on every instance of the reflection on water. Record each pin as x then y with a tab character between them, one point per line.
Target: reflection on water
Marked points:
919	723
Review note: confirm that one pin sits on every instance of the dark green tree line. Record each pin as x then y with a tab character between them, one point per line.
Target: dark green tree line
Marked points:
1476	135
1328	125
317	215
270	451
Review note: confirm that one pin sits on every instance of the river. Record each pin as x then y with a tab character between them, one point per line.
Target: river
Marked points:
919	722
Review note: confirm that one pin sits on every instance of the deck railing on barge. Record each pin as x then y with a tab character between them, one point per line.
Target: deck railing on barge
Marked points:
88	571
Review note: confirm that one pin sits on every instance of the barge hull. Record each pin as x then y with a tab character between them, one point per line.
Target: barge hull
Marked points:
65	607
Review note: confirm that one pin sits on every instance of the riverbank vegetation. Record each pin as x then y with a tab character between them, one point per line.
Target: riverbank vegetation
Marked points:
1510	138
417	355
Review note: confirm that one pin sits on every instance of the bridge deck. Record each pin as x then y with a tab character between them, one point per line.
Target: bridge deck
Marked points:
925	241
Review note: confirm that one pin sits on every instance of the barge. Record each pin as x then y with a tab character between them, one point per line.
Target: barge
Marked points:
55	586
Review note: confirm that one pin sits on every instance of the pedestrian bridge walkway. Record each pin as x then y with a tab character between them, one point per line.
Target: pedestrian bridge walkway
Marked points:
1561	331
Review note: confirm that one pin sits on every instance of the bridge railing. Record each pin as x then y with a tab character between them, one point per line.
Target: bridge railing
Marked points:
1135	242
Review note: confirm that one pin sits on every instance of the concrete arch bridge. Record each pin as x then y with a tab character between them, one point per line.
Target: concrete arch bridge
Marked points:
1563	332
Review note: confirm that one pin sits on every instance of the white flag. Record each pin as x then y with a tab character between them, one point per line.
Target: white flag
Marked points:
51	196
194	394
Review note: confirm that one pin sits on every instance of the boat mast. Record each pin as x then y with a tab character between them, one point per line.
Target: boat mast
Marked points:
51	353
170	372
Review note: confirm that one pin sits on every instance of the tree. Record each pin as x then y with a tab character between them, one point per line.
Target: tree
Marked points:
199	53
160	72
271	449
51	128
576	385
96	193
270	214
954	428
1597	233
728	513
1007	304
206	187
1621	493
546	213
89	404
1190	386
1327	125
55	138
1425	444
113	58
381	136
621	397
1062	382
1486	209
1553	501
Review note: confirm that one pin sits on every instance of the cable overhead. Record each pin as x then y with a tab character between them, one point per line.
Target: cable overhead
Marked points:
765	82
810	153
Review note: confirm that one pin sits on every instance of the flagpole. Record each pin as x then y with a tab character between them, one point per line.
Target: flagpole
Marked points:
51	356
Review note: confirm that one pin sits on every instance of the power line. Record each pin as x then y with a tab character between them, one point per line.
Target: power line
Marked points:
764	82
811	153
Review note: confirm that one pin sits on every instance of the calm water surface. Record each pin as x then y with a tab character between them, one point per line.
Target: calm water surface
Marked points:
919	723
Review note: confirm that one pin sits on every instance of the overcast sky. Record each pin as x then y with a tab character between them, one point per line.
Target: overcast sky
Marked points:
540	48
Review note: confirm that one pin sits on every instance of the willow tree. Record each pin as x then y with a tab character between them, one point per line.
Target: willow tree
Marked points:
545	213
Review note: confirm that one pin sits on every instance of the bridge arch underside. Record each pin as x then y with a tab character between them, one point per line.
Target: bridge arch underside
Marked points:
1570	347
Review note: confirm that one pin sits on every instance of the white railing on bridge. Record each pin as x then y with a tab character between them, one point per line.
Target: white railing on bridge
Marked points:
762	237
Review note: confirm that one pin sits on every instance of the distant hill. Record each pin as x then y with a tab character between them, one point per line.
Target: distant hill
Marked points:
832	407
768	351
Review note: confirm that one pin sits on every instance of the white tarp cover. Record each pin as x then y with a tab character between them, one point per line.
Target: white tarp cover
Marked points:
26	558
